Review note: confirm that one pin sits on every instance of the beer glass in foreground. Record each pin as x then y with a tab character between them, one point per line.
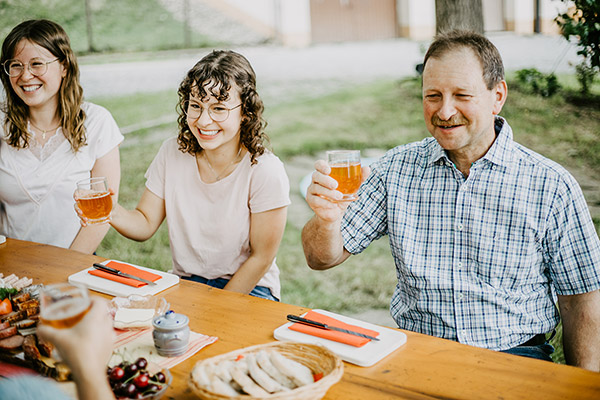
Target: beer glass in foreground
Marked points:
93	199
345	169
63	305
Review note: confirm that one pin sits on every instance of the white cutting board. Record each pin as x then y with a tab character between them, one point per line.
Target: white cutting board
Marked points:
365	356
120	289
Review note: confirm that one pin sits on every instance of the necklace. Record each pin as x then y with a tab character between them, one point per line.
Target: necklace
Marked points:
218	177
44	132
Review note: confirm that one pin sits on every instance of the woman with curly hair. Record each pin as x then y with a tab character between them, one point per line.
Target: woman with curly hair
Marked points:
223	194
51	140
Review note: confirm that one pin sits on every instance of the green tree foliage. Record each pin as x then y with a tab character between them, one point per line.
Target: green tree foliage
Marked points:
583	22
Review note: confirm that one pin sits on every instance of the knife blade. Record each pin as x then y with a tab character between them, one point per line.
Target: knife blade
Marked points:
114	271
310	322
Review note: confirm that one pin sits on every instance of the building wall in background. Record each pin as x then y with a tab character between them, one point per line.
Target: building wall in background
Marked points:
352	20
302	22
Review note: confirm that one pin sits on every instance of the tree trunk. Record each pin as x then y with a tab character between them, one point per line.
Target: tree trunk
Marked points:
458	14
88	24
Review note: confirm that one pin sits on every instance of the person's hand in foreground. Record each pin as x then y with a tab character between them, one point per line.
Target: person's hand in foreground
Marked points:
86	348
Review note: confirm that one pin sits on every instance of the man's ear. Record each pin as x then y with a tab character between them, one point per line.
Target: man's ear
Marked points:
500	93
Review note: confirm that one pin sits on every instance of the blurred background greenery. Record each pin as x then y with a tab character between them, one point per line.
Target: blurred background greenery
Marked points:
114	25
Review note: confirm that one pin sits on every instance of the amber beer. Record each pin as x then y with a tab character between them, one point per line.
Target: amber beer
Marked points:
94	200
346	170
63	305
96	206
65	314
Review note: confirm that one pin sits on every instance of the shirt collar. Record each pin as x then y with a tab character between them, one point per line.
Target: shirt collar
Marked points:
501	152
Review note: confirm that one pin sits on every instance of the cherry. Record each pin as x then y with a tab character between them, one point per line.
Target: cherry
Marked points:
159	377
116	374
141	363
128	389
131	369
141	381
152	388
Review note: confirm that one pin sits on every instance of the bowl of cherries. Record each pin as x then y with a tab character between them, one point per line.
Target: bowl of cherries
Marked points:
138	380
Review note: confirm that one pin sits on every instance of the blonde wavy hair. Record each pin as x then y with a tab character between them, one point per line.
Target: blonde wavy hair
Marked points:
215	75
52	37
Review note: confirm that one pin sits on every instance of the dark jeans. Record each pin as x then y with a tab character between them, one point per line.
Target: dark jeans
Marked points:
219	283
540	351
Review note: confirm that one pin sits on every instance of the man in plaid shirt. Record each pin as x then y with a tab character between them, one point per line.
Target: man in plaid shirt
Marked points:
487	235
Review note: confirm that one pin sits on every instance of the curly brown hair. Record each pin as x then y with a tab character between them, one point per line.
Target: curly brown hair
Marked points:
52	37
214	75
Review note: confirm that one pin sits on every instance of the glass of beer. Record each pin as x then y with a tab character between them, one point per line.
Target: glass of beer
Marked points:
345	169
63	305
93	199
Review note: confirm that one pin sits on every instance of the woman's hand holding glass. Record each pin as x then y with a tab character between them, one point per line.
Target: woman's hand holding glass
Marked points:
93	201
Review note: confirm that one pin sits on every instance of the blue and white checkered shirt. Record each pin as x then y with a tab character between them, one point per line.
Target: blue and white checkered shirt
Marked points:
478	260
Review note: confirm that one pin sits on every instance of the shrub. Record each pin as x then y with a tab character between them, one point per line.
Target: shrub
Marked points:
583	22
536	82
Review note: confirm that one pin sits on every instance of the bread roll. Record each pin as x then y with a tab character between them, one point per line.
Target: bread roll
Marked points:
262	358
297	372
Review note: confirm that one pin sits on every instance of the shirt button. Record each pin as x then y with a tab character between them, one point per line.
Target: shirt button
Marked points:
493	167
459	226
460	296
459	265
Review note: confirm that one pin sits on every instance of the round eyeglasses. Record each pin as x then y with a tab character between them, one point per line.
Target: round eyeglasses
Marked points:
217	111
36	66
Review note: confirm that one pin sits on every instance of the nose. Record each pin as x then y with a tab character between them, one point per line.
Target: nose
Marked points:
447	109
204	119
26	74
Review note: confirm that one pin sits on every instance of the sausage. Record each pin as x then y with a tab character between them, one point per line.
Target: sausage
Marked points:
4	325
28	312
8	332
32	303
45	347
21	297
11	343
25	323
13	316
30	349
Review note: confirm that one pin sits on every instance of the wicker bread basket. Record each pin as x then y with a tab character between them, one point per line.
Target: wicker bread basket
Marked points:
316	357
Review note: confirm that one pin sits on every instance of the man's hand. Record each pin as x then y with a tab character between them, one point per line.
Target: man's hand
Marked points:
322	196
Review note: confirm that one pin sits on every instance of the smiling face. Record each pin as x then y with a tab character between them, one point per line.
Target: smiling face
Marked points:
458	107
38	92
210	134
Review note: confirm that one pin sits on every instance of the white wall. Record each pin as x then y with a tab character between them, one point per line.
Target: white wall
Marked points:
416	18
287	20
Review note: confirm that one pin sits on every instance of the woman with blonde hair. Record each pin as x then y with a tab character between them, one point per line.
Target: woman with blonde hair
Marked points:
51	140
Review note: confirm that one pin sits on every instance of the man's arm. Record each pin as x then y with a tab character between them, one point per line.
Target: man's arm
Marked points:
323	244
581	327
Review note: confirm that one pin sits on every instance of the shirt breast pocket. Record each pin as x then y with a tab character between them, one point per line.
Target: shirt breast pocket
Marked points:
507	258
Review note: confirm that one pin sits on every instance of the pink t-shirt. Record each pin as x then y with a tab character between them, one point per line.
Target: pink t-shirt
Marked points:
209	223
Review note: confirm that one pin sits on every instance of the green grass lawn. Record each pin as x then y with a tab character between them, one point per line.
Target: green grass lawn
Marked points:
380	116
117	25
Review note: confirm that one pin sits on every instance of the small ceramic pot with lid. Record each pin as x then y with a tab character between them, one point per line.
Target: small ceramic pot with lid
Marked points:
171	334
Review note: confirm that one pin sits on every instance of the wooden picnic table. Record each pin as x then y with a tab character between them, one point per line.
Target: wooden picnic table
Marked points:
425	367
